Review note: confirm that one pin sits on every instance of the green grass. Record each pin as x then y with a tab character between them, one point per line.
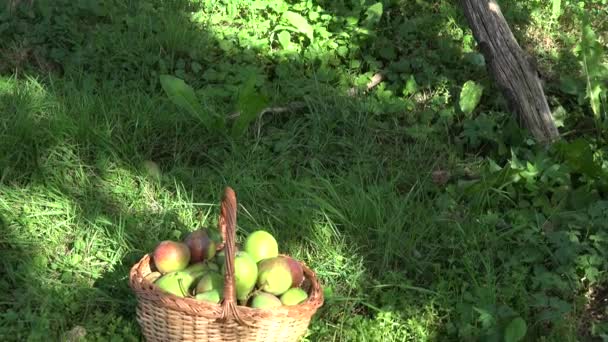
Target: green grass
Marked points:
345	184
87	208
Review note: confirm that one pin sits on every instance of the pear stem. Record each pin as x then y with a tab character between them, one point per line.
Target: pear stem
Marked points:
181	288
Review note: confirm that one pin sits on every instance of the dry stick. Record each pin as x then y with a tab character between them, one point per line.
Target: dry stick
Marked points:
274	110
294	106
376	79
512	71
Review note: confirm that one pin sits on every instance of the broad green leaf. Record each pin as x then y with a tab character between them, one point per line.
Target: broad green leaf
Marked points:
374	13
590	53
516	330
411	87
559	116
579	156
285	27
284	39
250	103
486	318
571	85
387	52
196	67
556	8
313	16
300	23
183	96
470	96
595	91
475	58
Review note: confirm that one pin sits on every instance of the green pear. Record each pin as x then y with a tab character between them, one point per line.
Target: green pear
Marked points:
274	276
245	274
293	296
261	245
210	281
220	256
263	300
212	296
202	267
177	283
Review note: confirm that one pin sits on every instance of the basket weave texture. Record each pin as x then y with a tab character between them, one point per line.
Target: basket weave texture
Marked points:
165	317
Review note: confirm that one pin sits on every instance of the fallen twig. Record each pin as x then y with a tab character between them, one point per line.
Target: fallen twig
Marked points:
376	79
294	106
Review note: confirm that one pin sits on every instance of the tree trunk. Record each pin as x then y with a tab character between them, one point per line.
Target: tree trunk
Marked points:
513	72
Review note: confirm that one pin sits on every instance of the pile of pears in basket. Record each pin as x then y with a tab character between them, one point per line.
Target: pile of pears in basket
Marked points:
194	268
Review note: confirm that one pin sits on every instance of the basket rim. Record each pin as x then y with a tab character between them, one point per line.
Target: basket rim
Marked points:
146	289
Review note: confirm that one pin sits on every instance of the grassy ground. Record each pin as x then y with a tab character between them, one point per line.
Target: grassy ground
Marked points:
347	184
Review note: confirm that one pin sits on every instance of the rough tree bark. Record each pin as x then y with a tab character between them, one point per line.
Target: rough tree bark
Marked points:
513	72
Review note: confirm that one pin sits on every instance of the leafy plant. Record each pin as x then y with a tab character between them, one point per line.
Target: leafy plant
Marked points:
470	95
299	23
249	105
590	53
183	96
515	330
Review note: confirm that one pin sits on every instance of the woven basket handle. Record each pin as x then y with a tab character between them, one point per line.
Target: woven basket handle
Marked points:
227	225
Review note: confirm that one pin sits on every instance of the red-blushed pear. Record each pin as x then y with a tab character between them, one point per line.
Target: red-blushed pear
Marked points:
201	246
171	256
274	276
297	272
263	300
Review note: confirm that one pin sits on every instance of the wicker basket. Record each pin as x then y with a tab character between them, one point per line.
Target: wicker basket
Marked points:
165	317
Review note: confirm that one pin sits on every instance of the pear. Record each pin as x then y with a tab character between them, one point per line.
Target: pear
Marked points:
220	256
202	267
245	274
297	272
201	246
274	276
210	281
213	296
293	296
177	283
170	256
263	300
261	245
